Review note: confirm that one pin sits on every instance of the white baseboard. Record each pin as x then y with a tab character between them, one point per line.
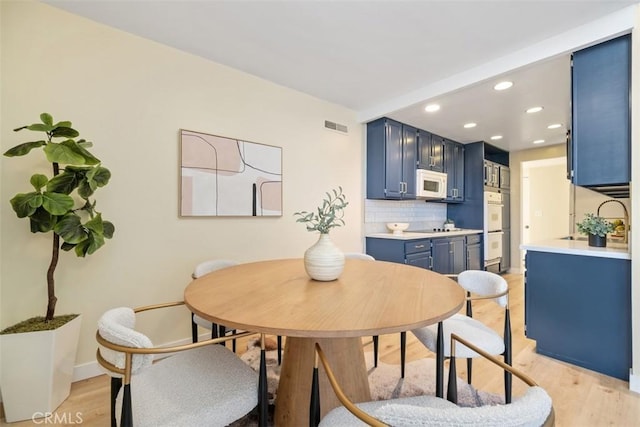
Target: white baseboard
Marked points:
634	382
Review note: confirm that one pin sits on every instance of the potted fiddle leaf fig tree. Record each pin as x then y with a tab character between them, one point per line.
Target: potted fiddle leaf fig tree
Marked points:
62	205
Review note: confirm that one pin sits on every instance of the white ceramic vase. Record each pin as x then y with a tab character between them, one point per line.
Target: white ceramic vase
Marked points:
324	261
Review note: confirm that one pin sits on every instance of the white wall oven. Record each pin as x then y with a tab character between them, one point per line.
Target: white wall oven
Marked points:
493	230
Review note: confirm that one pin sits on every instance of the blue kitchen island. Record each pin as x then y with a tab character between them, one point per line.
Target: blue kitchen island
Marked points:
578	304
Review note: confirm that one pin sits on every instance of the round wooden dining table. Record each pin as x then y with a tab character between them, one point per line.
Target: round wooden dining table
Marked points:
278	297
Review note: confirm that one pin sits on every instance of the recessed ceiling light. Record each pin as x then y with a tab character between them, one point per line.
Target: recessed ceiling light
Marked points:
503	85
554	126
539	141
470	125
496	137
431	108
534	109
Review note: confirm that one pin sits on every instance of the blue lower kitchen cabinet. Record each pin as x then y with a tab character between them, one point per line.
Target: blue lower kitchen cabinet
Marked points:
449	255
413	252
578	309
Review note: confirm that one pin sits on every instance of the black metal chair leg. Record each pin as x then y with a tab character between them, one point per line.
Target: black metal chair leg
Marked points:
263	397
452	386
279	350
375	351
194	330
314	406
126	418
469	365
403	352
222	331
439	361
508	379
116	384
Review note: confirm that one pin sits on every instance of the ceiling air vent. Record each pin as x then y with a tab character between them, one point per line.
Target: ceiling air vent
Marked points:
336	126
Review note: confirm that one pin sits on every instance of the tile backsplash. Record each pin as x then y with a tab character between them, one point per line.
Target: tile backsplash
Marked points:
420	214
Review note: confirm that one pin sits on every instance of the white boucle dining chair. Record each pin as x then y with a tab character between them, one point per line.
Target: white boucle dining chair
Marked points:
533	408
479	285
197	384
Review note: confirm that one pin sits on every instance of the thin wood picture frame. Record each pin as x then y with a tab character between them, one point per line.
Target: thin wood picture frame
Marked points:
222	176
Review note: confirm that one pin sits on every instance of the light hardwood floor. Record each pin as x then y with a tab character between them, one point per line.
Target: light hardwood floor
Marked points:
580	397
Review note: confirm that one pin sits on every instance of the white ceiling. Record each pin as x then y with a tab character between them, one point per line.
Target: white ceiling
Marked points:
389	58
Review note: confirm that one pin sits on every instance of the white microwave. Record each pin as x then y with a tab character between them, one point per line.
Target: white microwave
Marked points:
431	184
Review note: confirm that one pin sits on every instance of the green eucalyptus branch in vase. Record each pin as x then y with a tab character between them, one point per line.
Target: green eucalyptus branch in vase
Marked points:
324	261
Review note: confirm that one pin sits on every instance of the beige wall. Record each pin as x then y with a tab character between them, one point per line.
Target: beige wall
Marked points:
130	96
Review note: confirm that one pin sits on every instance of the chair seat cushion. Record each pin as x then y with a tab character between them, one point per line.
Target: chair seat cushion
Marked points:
466	327
205	386
340	416
201	322
532	409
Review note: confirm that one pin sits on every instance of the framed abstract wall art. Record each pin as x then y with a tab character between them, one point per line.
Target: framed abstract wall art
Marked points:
223	176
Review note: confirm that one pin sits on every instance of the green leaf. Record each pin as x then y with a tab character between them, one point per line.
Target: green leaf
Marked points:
67	246
84	143
65	124
100	175
95	224
70	229
96	241
36	202
40	127
64	132
63	153
86	188
42	221
38	181
63	183
22	149
109	229
56	203
46	119
22	204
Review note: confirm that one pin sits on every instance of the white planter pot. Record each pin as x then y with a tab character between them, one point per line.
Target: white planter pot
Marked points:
324	261
36	369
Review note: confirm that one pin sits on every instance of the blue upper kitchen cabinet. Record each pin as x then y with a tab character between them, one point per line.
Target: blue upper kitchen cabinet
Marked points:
391	160
454	168
430	151
598	150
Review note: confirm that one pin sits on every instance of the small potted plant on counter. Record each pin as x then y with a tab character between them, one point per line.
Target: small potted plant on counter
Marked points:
596	227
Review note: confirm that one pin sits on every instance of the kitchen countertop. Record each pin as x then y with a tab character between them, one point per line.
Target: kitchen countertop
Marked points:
412	235
580	247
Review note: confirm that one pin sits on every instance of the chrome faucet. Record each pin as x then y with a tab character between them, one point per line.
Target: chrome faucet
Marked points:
626	217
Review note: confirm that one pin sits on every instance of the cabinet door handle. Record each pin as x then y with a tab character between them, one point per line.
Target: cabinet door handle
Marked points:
418	246
430	262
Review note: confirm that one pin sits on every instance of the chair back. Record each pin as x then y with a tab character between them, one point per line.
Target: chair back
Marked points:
117	327
207	267
531	409
358	255
484	283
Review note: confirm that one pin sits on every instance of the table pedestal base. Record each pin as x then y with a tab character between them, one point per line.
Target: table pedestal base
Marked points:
346	358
